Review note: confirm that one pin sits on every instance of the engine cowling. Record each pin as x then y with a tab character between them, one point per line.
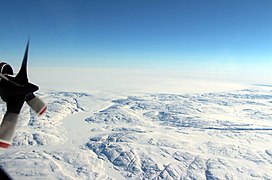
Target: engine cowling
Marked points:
5	68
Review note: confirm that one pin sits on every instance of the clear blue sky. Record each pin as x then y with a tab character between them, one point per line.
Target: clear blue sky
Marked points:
136	33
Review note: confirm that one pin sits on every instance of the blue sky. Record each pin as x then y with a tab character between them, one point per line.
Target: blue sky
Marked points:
142	33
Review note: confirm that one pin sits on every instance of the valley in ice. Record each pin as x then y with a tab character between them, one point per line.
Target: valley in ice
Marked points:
205	131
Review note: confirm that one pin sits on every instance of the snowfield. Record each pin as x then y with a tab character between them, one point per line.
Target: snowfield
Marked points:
206	135
223	135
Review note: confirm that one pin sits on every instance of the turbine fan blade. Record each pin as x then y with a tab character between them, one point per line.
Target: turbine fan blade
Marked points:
21	77
9	80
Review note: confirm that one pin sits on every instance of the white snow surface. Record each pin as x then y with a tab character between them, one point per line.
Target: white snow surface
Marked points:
128	125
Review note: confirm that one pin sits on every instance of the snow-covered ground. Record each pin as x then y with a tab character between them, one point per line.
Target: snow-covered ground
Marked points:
134	125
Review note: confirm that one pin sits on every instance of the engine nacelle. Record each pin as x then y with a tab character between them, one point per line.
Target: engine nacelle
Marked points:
5	68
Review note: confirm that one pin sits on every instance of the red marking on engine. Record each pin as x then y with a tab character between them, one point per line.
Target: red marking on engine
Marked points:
4	145
43	110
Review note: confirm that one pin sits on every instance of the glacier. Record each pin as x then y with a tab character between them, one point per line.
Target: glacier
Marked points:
83	135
